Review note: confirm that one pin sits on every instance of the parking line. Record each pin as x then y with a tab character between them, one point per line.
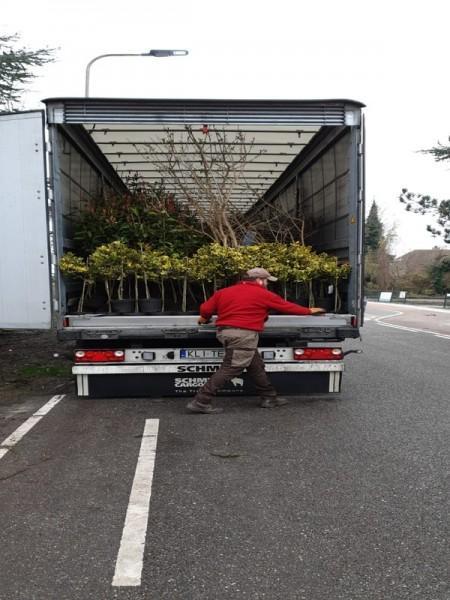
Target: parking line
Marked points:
131	552
18	434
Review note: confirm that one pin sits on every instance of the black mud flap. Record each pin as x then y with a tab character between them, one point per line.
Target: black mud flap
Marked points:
181	384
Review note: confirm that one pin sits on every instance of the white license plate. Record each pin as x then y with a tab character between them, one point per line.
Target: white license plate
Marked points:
196	353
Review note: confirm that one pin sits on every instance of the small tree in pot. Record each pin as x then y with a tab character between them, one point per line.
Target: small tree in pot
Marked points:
76	268
152	266
114	263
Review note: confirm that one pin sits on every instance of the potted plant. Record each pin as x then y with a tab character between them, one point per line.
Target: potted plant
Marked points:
164	267
152	266
180	267
114	263
146	269
75	267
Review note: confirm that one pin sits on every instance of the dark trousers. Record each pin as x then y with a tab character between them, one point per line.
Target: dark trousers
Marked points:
241	352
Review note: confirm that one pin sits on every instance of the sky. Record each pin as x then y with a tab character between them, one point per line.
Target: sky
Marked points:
390	55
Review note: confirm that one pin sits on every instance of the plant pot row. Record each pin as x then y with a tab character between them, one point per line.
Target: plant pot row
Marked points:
129	306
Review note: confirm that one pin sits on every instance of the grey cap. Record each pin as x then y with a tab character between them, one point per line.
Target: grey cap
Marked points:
260	273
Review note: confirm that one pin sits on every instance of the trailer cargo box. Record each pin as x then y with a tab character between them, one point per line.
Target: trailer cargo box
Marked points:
309	161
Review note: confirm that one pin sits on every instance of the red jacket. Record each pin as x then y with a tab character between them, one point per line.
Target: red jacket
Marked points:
246	305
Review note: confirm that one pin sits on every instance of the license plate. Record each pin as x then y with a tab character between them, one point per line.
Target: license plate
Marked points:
196	353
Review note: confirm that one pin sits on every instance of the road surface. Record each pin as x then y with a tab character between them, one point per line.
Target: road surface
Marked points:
326	499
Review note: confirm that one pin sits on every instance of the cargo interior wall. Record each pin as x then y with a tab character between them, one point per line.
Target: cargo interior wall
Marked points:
317	189
324	204
79	178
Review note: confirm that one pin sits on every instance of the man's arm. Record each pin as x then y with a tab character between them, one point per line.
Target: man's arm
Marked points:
209	308
277	303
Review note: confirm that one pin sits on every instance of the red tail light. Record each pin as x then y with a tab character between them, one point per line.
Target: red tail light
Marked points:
354	321
91	356
318	354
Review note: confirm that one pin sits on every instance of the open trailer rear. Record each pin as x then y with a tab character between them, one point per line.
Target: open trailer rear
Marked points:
309	162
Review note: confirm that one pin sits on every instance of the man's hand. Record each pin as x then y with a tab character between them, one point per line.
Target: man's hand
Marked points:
317	311
202	321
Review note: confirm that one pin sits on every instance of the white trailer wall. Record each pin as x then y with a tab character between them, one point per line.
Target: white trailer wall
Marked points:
24	250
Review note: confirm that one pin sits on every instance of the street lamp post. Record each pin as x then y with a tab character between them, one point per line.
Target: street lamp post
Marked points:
154	53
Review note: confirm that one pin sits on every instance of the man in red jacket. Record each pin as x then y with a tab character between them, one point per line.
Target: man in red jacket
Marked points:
241	311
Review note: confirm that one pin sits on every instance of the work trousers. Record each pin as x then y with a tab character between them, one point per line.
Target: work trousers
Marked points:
241	352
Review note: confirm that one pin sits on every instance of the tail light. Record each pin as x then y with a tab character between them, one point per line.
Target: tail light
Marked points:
354	321
318	354
92	356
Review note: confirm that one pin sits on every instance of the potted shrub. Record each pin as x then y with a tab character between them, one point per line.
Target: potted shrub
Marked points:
152	266
75	267
164	267
180	267
146	269
114	263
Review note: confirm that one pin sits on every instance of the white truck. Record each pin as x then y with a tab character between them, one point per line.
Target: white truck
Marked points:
311	162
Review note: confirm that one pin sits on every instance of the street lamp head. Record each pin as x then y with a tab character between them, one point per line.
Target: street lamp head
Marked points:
155	53
164	53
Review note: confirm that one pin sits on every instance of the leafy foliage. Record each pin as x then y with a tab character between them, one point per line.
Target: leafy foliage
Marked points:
146	215
16	69
439	152
115	263
424	204
73	266
440	275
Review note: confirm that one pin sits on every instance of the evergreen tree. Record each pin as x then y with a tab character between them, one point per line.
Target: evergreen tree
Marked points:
439	152
424	204
374	229
16	69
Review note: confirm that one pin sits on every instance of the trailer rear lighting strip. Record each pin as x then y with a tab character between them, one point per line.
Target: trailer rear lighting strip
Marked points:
136	369
102	356
318	354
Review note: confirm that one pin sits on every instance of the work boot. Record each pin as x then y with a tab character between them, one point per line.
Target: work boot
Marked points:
197	407
273	402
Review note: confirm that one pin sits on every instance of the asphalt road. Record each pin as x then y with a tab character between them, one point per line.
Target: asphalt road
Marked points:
415	319
326	499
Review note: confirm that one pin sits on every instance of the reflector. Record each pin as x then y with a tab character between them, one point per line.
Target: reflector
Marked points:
92	356
318	354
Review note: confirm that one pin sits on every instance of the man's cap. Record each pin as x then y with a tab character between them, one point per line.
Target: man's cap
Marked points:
261	273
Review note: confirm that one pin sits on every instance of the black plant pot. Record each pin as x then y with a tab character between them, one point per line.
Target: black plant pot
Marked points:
302	300
150	305
97	303
123	306
326	303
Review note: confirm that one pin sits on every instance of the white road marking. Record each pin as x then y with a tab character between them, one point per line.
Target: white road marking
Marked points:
18	434
131	552
379	321
389	315
414	307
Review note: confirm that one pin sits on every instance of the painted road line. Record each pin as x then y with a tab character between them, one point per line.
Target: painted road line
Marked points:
414	307
131	552
379	321
18	434
388	316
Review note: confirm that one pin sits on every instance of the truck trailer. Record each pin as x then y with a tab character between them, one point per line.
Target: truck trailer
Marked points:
310	161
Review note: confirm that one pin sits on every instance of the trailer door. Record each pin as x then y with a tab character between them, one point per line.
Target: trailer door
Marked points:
24	239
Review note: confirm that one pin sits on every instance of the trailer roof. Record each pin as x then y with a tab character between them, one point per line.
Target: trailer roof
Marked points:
133	135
